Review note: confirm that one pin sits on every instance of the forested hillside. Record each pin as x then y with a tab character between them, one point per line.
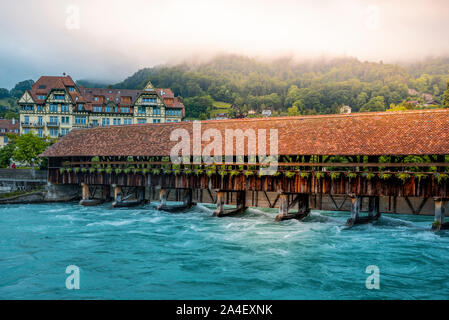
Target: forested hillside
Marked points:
319	86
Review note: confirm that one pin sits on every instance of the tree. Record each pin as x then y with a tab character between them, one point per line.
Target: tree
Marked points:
446	97
375	104
293	111
28	147
4	93
6	153
21	87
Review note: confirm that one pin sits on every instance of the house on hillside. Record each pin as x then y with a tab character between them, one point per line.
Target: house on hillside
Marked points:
11	126
267	113
345	109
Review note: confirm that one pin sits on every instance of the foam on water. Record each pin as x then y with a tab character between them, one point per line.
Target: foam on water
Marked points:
148	254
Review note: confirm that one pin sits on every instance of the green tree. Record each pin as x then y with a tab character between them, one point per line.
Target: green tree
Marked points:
375	104
446	97
6	153
28	147
293	111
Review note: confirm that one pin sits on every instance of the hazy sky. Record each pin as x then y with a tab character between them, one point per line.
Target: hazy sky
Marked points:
111	39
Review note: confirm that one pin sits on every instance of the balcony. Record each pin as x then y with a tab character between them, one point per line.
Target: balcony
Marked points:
53	124
28	124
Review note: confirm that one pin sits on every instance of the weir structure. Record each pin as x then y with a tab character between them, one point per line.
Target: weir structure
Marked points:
370	160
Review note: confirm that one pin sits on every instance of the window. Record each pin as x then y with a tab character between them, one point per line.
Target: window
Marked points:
5	139
141	110
40	133
105	122
97	109
54	132
27	119
40	120
173	112
65	120
125	109
53	120
156	110
127	121
141	120
94	123
3	130
149	100
64	132
53	108
156	120
40	108
42	86
117	121
108	109
27	108
41	97
80	120
65	108
27	130
71	89
96	99
80	107
59	96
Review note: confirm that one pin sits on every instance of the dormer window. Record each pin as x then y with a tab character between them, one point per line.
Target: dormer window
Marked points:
41	97
71	89
80	107
96	98
59	96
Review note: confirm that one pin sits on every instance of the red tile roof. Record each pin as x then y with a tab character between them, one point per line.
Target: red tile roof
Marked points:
86	95
9	126
378	133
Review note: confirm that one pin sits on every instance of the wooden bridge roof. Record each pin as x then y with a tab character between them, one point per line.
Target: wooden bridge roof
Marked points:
379	133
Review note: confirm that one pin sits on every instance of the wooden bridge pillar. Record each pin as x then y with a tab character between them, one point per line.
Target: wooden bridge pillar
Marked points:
373	207
302	200
355	208
162	198
106	193
440	208
220	204
117	192
84	191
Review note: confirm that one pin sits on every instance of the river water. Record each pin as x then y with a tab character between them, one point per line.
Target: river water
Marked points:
141	253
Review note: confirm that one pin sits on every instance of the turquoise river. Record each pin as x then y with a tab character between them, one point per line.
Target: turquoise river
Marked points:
141	253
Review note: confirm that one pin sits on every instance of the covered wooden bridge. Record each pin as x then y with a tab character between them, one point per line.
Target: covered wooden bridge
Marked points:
371	161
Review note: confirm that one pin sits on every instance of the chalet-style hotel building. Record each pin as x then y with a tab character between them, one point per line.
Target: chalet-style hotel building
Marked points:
56	105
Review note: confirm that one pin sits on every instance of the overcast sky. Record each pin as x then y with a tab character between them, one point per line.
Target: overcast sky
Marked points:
110	39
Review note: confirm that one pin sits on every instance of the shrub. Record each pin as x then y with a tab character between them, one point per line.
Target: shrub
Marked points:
235	173
404	177
352	175
76	170
223	173
248	173
177	172
441	177
188	172
368	175
61	170
335	175
156	171
91	170
319	175
109	170
277	173
199	172
420	176
289	174
385	175
145	170
304	175
211	172
118	170
100	170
